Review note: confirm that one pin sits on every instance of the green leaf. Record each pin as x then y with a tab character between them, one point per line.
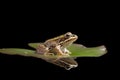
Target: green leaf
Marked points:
78	50
17	51
24	52
33	45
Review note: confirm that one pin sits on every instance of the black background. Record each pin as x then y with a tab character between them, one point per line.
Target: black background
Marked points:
21	26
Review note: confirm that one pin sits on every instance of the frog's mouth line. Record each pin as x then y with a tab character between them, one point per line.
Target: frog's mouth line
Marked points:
73	39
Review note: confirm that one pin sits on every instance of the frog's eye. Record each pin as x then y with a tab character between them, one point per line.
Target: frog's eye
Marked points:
69	34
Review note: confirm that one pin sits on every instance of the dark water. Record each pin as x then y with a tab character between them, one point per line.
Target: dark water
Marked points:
88	67
92	30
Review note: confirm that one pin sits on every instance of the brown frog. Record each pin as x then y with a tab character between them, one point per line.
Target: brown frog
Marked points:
58	45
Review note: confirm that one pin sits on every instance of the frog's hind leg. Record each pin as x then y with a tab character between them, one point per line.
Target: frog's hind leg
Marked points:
41	49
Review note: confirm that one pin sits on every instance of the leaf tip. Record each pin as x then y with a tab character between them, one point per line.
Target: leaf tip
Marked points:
103	49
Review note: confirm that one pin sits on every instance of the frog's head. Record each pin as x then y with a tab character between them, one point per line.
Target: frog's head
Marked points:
67	39
63	40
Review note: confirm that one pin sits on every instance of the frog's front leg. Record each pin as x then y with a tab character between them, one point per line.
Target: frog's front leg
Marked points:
66	51
60	52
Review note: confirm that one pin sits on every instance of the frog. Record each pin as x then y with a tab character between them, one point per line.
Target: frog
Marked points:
57	45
